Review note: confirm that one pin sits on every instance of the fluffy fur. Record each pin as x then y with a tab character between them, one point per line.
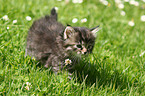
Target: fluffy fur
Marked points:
51	43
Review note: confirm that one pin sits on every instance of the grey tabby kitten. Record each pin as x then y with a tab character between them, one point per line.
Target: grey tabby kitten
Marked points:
52	43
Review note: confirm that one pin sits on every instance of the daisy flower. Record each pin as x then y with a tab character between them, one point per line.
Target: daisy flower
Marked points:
84	20
14	21
136	3
105	2
28	18
122	13
121	6
77	1
132	2
80	1
5	17
131	23
56	8
67	61
143	18
118	1
28	86
7	27
66	1
74	20
126	0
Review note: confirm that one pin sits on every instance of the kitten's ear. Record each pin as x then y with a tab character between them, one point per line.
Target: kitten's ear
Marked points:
68	32
95	30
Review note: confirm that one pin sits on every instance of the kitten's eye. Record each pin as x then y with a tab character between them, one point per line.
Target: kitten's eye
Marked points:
89	48
79	46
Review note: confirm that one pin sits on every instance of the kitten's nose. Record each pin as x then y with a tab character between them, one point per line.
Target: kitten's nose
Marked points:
84	50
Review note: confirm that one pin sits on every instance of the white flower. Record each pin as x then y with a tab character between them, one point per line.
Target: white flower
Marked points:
77	1
126	0
131	23
105	2
143	0
56	8
142	53
74	1
74	20
118	1
121	6
102	0
136	3
132	2
143	18
68	61
14	21
122	13
28	86
7	27
5	17
28	18
80	1
66	1
83	20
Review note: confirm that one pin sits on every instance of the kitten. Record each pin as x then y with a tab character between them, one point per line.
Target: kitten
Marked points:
52	43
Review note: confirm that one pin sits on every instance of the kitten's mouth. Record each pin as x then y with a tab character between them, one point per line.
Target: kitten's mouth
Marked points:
78	50
83	51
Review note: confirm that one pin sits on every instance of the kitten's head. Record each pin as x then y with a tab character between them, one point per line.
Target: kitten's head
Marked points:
79	39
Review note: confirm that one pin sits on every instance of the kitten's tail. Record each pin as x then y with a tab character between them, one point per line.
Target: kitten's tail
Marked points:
53	13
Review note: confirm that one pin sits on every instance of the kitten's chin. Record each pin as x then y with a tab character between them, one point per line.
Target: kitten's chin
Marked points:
78	54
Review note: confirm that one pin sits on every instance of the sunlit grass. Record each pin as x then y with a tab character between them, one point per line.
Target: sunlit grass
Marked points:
116	66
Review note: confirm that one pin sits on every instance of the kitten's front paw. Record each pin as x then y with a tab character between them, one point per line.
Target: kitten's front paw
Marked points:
46	65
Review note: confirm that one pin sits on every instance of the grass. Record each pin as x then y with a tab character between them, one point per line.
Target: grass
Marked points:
114	68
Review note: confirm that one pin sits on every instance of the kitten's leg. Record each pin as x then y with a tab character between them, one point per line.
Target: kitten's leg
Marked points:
48	62
57	65
53	62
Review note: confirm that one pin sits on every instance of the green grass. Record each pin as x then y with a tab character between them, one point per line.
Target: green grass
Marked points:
114	68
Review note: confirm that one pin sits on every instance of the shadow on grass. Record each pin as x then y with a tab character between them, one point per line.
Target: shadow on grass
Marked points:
95	73
101	76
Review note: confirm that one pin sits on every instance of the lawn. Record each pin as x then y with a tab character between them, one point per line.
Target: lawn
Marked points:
116	66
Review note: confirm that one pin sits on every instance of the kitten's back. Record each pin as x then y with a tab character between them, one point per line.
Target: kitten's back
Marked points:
42	35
